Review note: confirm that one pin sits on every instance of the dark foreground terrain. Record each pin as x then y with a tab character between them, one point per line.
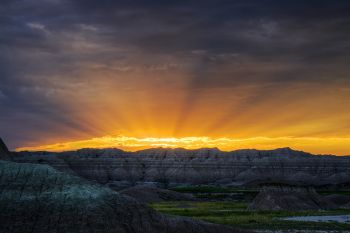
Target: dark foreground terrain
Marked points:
194	191
39	199
36	198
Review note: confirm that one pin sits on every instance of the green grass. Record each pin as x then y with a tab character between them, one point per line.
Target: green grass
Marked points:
329	192
236	214
216	192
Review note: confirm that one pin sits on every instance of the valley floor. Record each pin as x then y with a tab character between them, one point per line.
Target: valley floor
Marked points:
235	213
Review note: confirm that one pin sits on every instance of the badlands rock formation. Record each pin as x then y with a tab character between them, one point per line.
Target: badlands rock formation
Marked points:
38	199
204	166
289	198
341	201
148	194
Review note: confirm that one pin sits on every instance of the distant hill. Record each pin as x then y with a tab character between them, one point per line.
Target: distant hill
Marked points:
112	152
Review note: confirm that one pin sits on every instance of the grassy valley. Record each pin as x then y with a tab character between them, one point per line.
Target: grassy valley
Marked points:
212	207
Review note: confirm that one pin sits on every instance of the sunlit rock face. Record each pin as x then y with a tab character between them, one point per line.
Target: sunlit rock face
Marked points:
204	166
37	198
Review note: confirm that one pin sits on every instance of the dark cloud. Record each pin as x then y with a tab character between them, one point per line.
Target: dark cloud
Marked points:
217	44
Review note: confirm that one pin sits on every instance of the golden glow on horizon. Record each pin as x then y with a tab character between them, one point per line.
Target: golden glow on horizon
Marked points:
339	146
156	108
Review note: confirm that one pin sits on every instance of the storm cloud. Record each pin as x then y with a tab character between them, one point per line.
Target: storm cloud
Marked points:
60	60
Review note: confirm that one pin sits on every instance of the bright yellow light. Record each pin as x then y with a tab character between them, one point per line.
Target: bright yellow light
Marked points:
340	146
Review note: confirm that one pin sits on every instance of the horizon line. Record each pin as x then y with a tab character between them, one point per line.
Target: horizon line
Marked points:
313	145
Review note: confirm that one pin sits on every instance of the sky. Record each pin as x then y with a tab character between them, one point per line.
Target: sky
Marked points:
212	73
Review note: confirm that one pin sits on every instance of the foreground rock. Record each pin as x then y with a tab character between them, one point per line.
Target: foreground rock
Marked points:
37	198
148	194
203	166
288	198
5	154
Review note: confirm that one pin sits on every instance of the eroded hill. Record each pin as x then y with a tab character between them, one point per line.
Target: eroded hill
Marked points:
204	166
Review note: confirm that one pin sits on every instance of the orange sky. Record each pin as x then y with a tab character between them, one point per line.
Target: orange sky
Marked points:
162	111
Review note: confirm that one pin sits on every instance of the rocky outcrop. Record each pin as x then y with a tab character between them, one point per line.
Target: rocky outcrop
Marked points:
37	198
149	194
277	197
340	201
203	166
5	154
